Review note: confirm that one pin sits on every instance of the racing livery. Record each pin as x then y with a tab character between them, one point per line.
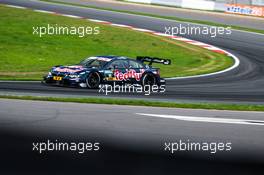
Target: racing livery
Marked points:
93	71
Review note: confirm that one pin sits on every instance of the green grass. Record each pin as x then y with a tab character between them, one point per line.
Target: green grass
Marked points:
25	56
163	17
116	101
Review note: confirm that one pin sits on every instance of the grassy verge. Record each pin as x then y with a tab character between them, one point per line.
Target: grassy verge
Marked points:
162	17
114	101
25	56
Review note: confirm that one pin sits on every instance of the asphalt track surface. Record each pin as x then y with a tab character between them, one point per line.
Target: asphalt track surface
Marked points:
132	143
241	85
129	143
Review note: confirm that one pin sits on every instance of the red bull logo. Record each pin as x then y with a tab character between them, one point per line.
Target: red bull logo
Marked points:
129	74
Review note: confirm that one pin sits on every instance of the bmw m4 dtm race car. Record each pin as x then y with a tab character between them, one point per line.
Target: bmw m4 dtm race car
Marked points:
93	71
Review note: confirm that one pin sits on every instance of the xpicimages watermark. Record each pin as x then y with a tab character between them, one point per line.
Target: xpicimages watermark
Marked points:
79	147
80	31
129	88
187	145
188	29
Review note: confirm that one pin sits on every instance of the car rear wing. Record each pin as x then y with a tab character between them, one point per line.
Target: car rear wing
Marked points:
153	60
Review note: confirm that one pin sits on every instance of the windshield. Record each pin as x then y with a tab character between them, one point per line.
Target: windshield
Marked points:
93	62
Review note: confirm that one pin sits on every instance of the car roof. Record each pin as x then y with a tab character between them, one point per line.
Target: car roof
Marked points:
112	57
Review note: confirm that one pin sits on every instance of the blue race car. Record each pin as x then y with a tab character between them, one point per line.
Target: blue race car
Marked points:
93	71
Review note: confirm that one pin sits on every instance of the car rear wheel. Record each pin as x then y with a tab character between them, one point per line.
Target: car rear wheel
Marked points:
149	79
93	80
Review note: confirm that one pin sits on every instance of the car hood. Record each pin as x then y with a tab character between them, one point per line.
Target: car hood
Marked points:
69	69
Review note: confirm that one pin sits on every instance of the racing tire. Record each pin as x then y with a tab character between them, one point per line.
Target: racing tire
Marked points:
93	80
149	79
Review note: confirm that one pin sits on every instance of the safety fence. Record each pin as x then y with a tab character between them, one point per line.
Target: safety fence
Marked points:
245	7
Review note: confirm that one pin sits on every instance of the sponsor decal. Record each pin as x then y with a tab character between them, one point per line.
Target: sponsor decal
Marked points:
111	78
57	78
245	9
129	74
69	69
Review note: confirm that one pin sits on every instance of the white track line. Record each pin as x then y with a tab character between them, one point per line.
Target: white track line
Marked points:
44	11
235	65
142	30
186	40
183	39
96	20
71	16
99	21
121	25
161	34
18	7
208	119
197	43
211	47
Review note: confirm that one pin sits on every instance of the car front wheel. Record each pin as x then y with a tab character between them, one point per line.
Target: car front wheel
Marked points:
93	80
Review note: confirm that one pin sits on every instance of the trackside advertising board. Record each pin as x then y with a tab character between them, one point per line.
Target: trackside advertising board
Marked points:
245	9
